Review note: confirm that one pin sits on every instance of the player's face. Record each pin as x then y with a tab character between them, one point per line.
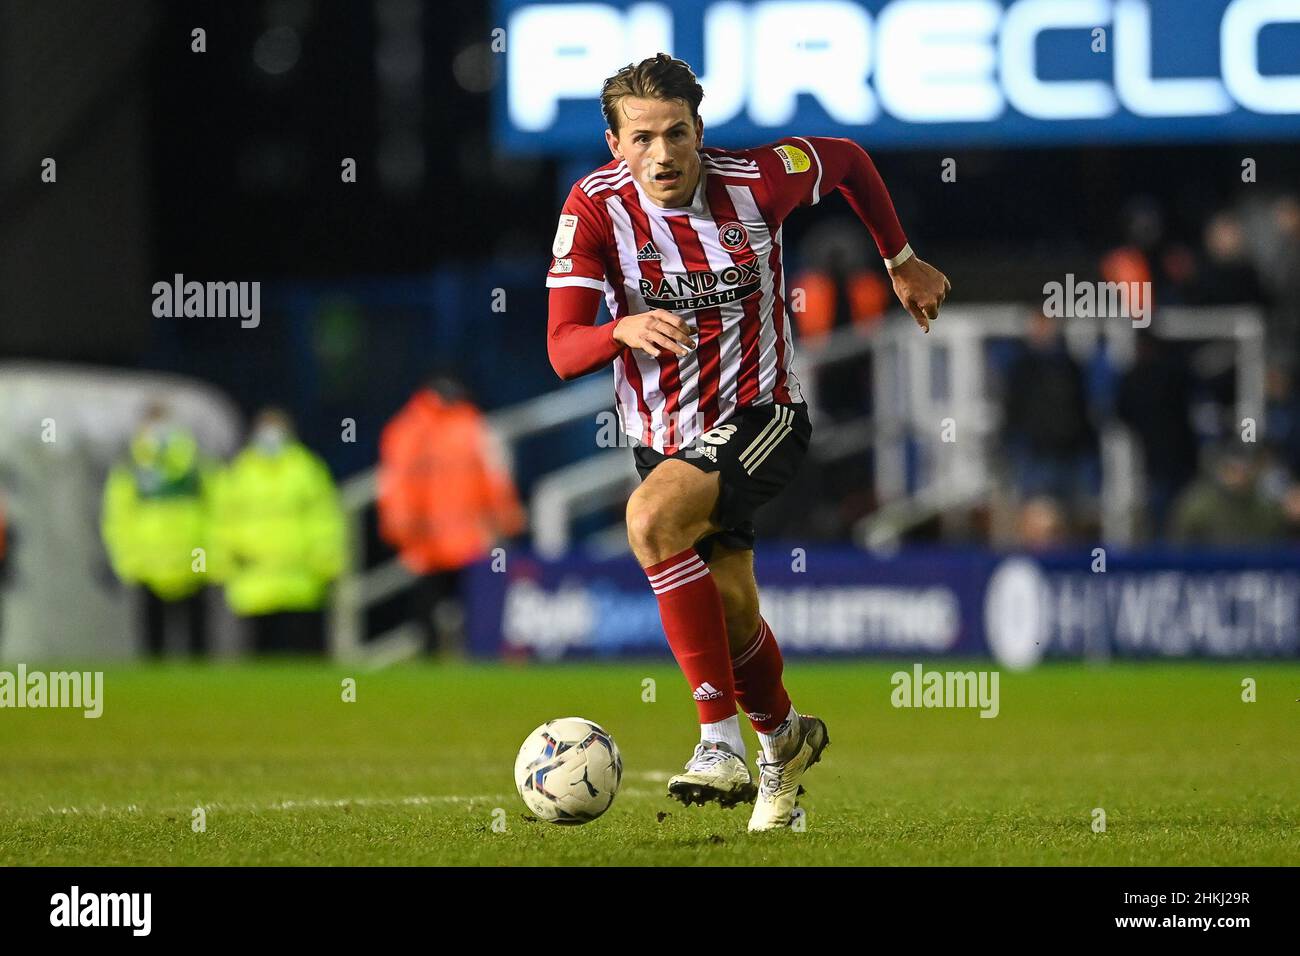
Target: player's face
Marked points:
659	139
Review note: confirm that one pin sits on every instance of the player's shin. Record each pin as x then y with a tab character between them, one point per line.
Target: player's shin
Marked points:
690	608
760	692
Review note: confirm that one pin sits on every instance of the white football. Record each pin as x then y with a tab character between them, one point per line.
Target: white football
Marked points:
568	771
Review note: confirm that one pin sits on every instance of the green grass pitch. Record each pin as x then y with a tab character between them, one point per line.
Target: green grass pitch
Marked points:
413	771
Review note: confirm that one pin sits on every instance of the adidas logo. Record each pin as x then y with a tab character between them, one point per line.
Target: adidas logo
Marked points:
706	691
648	253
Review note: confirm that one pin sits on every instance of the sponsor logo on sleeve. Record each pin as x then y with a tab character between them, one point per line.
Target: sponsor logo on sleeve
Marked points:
564	235
794	159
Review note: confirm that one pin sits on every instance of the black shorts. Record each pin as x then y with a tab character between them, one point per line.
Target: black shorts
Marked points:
757	451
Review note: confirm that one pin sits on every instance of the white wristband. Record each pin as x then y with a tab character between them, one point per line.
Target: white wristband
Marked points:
903	255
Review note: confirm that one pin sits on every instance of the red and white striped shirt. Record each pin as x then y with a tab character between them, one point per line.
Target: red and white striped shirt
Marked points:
716	263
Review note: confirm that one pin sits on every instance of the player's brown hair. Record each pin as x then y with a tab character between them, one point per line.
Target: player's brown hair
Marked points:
660	77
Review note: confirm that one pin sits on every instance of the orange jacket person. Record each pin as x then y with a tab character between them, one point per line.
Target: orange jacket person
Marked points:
445	495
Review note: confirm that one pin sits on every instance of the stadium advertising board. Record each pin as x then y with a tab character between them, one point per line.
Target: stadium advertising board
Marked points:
915	72
1017	609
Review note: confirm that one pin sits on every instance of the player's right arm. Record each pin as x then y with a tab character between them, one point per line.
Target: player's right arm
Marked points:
574	343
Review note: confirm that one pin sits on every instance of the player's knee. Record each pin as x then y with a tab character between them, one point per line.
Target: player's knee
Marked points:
666	517
650	528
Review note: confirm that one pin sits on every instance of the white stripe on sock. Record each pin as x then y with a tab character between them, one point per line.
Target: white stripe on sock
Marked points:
748	654
690	564
678	575
677	584
692	558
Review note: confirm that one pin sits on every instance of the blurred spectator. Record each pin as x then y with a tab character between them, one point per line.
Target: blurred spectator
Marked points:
1272	234
1227	277
445	496
1284	327
1041	524
1291	512
1147	255
1048	432
278	536
1153	400
1282	419
1226	507
839	294
155	516
838	291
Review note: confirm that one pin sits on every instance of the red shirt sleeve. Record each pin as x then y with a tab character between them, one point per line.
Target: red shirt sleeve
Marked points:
575	344
802	169
579	245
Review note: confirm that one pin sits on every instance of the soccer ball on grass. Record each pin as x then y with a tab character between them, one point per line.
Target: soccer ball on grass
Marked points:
568	771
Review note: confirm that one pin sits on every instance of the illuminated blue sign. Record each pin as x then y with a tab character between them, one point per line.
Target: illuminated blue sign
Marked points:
916	72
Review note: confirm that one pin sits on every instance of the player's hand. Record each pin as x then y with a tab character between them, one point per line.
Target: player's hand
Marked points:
921	288
655	331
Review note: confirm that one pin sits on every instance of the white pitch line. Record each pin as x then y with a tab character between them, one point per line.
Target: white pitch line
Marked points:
306	803
419	800
650	776
416	801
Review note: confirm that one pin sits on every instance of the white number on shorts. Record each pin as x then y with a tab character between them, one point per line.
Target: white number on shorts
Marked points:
720	435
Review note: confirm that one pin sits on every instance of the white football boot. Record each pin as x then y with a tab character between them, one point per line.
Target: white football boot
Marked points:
778	780
715	773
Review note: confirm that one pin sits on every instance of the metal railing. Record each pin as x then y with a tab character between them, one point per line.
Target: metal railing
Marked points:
923	380
358	588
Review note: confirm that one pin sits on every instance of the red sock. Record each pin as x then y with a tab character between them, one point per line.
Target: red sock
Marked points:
759	689
691	610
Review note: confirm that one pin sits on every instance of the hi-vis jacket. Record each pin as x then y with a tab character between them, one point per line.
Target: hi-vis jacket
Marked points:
154	521
444	492
278	532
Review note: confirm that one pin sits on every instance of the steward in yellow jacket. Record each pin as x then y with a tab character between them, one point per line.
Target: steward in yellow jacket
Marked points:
277	524
155	512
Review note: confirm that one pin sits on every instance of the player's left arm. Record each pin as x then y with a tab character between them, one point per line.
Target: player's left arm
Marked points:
806	169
